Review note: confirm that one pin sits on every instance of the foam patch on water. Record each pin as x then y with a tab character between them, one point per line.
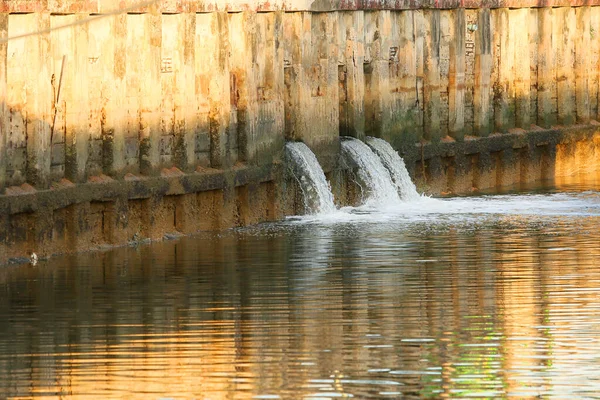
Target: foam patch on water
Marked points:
426	209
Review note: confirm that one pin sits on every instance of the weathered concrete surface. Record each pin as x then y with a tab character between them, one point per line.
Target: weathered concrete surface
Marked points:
139	92
106	212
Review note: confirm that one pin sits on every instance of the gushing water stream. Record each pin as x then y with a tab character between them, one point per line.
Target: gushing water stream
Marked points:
372	175
318	198
395	165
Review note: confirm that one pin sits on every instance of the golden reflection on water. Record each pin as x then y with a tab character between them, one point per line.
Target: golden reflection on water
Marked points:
506	306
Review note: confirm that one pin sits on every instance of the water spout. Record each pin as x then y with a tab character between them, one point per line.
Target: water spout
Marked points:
305	168
395	164
374	178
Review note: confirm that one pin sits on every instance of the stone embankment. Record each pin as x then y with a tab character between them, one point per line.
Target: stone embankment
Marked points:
125	121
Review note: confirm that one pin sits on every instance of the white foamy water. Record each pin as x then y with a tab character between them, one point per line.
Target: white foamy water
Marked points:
395	165
547	207
373	176
309	174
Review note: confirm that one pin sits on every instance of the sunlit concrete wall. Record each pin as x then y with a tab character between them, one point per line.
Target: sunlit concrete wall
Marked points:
168	86
115	105
136	93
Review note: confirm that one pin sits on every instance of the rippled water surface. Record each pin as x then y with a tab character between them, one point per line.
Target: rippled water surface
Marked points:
490	296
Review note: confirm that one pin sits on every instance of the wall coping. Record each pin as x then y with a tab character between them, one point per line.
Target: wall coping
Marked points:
186	6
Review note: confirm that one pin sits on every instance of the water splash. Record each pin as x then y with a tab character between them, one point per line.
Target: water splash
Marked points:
372	175
304	166
395	164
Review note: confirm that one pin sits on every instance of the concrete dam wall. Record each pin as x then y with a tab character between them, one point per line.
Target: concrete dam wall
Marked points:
125	121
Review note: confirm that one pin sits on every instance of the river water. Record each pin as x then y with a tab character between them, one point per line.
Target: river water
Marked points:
488	296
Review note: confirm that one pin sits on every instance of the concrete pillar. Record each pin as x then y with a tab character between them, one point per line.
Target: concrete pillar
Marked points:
115	120
242	62
256	60
563	33
311	80
100	57
213	93
351	77
4	125
594	77
456	76
582	63
142	143
171	82
409	114
444	61
519	37
150	134
594	54
392	111
482	93
471	32
394	76
378	99
504	100
73	120
534	38
431	86
546	72
61	49
185	146
176	145
134	71
29	99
